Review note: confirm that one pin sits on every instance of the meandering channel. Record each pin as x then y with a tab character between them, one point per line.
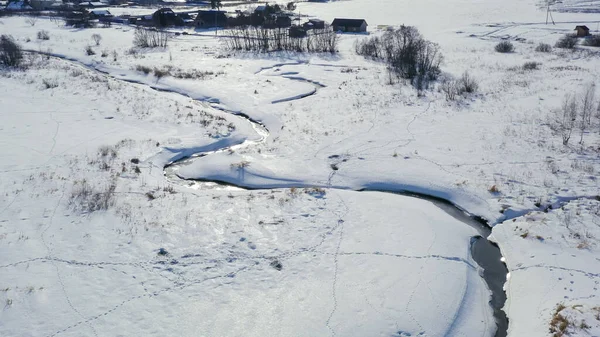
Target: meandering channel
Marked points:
485	253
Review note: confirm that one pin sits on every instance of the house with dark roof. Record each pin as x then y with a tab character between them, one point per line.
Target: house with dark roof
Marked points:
582	31
165	17
100	14
349	25
210	19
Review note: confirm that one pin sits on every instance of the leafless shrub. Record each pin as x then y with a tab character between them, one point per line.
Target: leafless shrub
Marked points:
159	73
588	103
87	199
592	41
107	151
467	83
531	65
76	72
450	88
145	38
566	118
144	69
454	88
97	38
543	48
505	47
569	41
176	72
43	35
169	189
31	20
49	84
89	51
241	165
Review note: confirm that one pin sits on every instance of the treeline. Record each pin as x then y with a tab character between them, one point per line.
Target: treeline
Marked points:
261	39
407	53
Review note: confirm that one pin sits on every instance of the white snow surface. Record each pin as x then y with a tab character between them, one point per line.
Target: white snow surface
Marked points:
351	263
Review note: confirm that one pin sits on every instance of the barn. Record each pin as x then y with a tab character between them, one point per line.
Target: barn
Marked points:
349	25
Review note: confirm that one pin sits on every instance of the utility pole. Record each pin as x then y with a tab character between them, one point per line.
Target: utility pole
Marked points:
548	12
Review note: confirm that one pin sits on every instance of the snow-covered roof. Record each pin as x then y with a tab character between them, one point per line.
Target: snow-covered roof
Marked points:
93	4
102	12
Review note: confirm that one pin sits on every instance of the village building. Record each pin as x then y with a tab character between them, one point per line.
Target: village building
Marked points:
210	19
349	25
582	31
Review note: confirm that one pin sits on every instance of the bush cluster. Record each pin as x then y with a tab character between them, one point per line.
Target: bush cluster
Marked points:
43	35
592	41
464	85
568	41
87	199
11	53
543	48
505	47
407	53
531	65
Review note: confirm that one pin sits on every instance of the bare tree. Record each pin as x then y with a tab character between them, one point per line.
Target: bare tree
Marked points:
566	118
31	20
587	108
145	38
97	38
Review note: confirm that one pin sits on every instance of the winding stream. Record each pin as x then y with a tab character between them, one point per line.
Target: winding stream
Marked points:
485	253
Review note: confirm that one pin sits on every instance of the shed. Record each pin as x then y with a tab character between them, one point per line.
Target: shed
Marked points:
349	25
582	31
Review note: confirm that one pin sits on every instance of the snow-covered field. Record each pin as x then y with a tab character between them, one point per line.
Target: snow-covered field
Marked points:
96	241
